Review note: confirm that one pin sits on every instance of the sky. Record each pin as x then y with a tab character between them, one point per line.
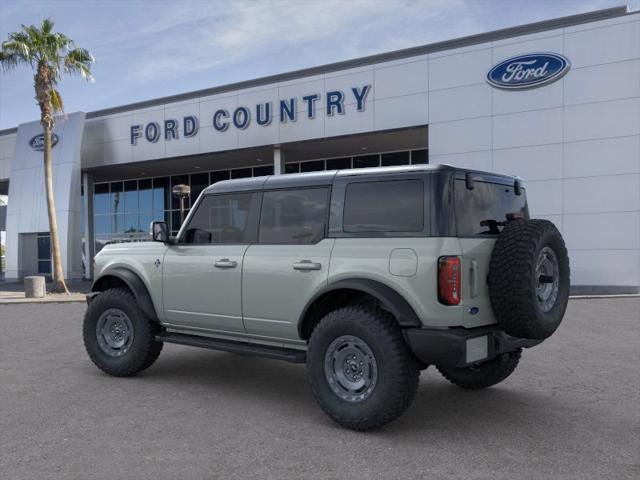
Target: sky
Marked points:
150	49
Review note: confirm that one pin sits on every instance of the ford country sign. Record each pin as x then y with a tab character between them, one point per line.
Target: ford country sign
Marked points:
528	71
37	142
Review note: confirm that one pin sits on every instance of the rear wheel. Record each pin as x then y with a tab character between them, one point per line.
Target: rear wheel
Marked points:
360	369
118	337
484	375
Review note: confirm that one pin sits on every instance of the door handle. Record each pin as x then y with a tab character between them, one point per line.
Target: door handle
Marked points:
225	263
305	265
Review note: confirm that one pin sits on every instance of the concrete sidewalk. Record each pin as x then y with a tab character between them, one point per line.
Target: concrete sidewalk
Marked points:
11	293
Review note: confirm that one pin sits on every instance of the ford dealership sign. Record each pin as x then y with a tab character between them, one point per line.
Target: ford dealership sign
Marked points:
37	142
528	71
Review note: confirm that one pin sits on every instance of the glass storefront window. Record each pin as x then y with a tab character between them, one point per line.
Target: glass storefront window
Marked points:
419	157
117	223
131	203
338	163
312	166
161	194
262	171
218	176
44	253
145	222
131	223
366	161
116	201
102	224
241	173
395	158
101	198
179	180
291	167
199	181
145	195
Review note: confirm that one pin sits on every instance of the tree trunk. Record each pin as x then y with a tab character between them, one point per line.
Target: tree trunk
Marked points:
59	284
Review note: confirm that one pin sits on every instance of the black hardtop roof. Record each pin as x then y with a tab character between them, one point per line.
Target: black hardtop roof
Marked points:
326	178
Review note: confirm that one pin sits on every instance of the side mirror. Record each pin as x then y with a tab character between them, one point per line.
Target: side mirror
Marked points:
160	232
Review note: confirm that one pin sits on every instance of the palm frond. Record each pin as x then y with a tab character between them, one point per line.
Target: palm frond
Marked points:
56	101
9	61
47	26
79	61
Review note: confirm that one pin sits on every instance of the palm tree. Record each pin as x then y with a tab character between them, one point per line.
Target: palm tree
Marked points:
49	54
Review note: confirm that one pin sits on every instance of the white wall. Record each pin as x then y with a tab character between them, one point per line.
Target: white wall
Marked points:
7	150
398	98
576	142
27	207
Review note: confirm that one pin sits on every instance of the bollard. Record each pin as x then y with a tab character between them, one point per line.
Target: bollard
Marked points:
34	287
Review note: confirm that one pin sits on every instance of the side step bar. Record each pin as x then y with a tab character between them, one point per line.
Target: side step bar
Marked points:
242	348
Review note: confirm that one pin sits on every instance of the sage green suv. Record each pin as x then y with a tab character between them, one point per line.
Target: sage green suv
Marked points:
366	275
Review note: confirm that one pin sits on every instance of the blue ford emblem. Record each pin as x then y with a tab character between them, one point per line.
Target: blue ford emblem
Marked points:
528	71
37	142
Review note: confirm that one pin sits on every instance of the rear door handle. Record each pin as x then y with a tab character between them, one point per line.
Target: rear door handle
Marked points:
306	265
225	263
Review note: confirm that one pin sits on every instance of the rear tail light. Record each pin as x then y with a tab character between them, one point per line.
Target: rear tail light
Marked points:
449	280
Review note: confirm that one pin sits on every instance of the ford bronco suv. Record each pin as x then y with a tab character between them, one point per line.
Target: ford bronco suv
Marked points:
366	275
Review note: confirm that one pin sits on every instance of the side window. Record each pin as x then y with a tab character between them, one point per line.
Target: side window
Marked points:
384	206
294	216
219	219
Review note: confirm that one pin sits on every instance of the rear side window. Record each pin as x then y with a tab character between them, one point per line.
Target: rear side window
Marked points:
481	211
221	219
384	206
294	216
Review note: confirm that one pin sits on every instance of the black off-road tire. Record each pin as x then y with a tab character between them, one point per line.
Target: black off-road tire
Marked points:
513	281
143	350
397	369
484	375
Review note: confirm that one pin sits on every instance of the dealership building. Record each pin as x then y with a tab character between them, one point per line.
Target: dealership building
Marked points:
555	102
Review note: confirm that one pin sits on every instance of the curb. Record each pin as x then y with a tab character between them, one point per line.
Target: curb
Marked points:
22	301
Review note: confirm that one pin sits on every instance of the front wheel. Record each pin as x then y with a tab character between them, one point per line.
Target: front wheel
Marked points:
118	337
484	375
360	369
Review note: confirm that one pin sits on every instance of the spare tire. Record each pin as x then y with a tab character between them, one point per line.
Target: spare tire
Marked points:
529	278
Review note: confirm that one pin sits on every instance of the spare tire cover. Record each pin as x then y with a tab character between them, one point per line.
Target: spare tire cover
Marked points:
529	278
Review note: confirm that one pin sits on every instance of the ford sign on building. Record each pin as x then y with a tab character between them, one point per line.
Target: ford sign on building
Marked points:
555	102
528	71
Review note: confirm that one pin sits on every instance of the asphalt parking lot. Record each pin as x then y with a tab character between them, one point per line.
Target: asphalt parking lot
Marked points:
570	411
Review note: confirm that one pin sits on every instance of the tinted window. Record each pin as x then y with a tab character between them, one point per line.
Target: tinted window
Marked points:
338	163
389	206
366	161
294	216
223	219
313	166
395	158
487	203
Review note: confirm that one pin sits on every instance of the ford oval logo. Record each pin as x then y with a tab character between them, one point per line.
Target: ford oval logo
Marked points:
37	142
528	71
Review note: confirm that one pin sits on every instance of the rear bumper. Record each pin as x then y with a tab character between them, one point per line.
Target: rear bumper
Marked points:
460	347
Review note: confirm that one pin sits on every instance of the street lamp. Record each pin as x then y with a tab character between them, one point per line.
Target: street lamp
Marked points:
182	192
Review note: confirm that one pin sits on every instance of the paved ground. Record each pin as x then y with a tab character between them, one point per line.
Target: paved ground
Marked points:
571	411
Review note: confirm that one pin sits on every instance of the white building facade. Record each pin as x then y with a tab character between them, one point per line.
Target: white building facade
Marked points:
494	101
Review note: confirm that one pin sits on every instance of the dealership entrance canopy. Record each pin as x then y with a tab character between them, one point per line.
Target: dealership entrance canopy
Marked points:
555	102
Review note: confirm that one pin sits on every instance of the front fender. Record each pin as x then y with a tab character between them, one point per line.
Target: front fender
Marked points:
133	281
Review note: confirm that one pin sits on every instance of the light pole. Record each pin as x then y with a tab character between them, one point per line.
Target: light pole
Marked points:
182	192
